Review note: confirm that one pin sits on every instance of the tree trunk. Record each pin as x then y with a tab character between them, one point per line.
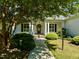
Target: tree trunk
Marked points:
5	33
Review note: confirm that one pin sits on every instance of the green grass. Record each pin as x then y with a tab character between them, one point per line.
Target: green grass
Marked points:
70	51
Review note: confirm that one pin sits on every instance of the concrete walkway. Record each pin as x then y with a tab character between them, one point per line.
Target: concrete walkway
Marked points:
41	51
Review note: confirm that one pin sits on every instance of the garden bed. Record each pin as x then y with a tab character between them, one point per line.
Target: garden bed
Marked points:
13	54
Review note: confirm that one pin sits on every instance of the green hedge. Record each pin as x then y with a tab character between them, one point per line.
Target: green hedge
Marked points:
23	41
75	40
52	36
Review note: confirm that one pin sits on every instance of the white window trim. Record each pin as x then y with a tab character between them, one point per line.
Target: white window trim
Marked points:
23	27
48	27
54	27
45	28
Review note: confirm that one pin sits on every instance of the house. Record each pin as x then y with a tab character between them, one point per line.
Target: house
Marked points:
50	24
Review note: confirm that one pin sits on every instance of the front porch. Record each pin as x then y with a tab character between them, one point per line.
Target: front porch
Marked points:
40	27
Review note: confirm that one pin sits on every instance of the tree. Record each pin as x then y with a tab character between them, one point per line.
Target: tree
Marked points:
8	15
16	11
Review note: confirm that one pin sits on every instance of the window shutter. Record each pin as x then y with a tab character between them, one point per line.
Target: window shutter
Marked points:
21	27
55	27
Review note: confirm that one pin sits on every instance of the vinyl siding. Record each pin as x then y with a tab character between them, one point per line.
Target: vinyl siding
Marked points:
72	26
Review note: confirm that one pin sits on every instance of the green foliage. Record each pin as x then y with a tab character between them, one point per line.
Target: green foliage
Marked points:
75	40
69	39
65	33
23	41
52	36
59	34
35	9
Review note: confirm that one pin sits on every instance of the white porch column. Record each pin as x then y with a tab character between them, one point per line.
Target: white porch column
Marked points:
45	28
63	24
30	29
48	27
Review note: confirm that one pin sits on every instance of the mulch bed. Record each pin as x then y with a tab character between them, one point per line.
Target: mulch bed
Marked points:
14	54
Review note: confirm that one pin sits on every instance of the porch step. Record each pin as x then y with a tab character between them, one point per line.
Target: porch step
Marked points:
39	36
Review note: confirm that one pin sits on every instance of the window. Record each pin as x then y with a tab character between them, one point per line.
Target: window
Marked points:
25	27
52	27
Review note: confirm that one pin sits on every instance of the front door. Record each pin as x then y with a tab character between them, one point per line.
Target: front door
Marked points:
39	29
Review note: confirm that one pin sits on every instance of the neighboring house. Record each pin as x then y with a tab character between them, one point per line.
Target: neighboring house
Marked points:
72	25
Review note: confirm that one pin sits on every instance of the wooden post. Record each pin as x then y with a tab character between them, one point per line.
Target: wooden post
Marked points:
62	43
62	40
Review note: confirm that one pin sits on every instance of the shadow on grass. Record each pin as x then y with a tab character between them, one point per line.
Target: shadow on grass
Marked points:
73	43
52	46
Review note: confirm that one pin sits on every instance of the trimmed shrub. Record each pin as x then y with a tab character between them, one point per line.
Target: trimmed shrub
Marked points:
52	36
75	40
51	46
23	41
59	34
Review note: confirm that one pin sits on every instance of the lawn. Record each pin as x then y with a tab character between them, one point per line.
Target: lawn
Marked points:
70	51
